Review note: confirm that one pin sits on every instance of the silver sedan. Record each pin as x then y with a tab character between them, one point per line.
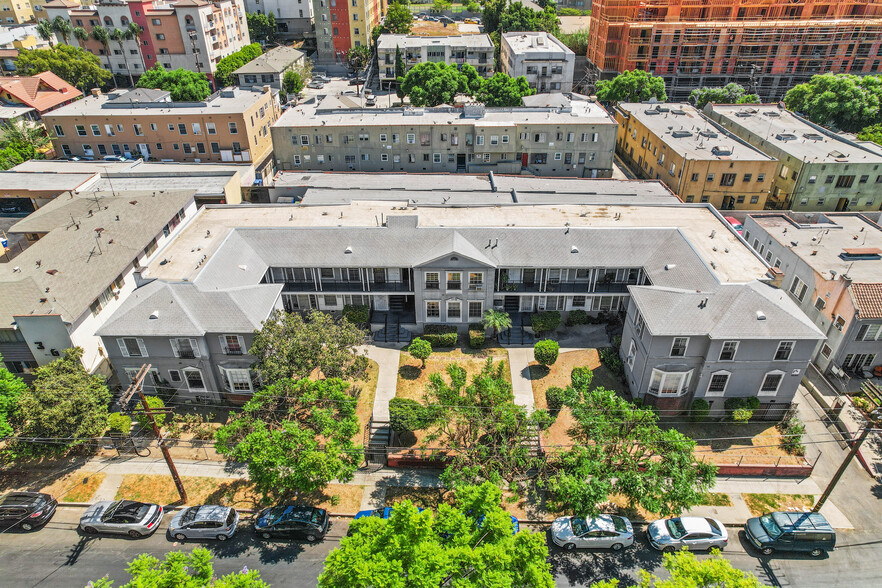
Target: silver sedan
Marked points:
122	517
209	521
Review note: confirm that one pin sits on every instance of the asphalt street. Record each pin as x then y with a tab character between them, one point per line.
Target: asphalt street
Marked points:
60	556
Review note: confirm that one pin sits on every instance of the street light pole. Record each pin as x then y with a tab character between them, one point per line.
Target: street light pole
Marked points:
841	470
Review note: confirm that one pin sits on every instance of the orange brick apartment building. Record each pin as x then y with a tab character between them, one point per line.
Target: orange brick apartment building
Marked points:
766	45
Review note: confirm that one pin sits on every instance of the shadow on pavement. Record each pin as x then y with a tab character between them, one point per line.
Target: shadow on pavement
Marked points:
585	567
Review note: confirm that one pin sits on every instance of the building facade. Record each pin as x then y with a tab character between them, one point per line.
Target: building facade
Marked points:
576	139
475	50
547	63
43	92
293	17
230	125
341	25
189	34
269	68
830	267
818	170
22	11
768	47
697	159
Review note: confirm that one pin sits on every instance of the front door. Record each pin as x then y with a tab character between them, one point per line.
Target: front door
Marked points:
460	161
842	204
524	159
379	275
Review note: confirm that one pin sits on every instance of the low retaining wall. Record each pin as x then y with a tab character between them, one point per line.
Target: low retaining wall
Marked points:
775	471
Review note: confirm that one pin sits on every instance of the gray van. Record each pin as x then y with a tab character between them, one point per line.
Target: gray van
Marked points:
791	531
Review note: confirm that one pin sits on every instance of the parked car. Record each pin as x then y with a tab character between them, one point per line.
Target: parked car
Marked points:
122	517
383	513
209	521
315	85
446	19
320	77
736	224
292	520
114	158
602	532
26	510
693	533
356	82
791	531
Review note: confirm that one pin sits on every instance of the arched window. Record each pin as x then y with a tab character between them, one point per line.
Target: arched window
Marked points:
719	381
108	21
771	383
189	20
124	21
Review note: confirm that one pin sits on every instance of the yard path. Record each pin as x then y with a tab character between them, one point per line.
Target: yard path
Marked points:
387	358
519	359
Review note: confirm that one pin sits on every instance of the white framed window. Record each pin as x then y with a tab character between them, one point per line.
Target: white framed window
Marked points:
479	140
232	344
454	311
193	377
411	138
669	383
185	348
476	281
728	351
639	323
454	280
678	348
820	303
175	376
785	348
384	157
868	332
132	346
210	128
237	380
476	309
504	139
771	384
436	158
719	381
494	139
558	156
433	280
798	289
433	310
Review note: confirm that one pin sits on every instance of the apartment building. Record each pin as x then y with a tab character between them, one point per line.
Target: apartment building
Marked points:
768	47
229	126
43	92
540	57
293	17
696	158
818	170
576	138
341	25
79	269
189	34
475	50
269	68
830	266
21	11
517	244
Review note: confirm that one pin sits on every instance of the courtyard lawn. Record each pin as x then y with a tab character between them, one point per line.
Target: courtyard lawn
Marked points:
728	442
368	389
413	379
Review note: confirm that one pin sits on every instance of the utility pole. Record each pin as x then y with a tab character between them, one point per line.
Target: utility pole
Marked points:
137	386
841	470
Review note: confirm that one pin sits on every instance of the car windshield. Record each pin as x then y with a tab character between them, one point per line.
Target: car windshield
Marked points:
111	510
771	526
274	515
579	526
619	524
189	515
675	528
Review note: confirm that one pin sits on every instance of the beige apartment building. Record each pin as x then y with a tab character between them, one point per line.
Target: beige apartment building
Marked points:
696	158
230	125
574	137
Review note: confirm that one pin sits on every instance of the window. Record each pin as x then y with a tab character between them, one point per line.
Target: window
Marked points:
727	353
663	383
785	348
185	348
868	332
81	130
710	177
139	130
747	177
454	280
59	131
330	300
96	131
797	288
194	379
131	346
234	130
844	181
433	309
20	367
826	350
476	281
694	177
196	128
727	180
436	158
761	177
232	344
718	383
820	303
237	380
476	309
454	310
771	383
411	138
678	349
433	280
160	37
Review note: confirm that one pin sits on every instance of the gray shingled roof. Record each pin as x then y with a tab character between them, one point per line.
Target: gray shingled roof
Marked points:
275	60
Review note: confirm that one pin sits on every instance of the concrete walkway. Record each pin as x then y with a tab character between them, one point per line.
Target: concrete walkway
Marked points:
519	359
387	358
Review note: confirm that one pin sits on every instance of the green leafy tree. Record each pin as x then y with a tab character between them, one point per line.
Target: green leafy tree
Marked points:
496	320
620	449
21	141
183	84
399	64
101	35
155	403
289	345
729	94
66	404
295	435
120	35
182	570
431	84
223	76
399	19
292	83
80	34
63	27
11	387
441	5
358	59
632	86
546	351
845	101
492	14
420	349
872	133
470	81
502	90
413	548
577	41
687	571
72	64
261	27
45	31
517	17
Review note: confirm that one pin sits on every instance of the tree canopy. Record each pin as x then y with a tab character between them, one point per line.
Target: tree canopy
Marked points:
503	90
450	548
182	570
223	76
845	101
261	27
872	133
295	435
729	94
518	17
292	83
72	64
687	571
398	21
11	387
65	402
21	141
431	84
184	85
632	86
290	345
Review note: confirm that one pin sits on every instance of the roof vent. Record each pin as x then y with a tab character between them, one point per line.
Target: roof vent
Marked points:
348	249
772	113
154	315
243	267
786	137
721	151
574	249
813	136
760	315
681	134
709	134
670	266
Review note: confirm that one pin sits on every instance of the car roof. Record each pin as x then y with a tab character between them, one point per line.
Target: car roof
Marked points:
602	522
20	498
802	521
212	512
696	525
297	511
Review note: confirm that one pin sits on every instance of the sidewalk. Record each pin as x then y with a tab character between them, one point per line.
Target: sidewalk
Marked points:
387	358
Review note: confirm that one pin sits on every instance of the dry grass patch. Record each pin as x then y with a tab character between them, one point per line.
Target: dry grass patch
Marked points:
239	493
76	486
428	28
422	497
368	390
728	443
413	379
558	374
760	504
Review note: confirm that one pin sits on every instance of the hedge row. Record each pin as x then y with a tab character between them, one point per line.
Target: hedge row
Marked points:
476	336
440	336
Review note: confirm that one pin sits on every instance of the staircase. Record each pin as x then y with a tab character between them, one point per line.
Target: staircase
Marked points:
396	304
511	304
378	436
533	443
392	331
517	334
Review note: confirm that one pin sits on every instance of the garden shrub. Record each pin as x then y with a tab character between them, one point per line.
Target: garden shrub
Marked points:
476	336
544	322
792	431
609	356
699	410
546	351
407	415
741	409
581	378
153	402
420	349
577	317
119	423
440	336
863	404
542	418
556	398
357	314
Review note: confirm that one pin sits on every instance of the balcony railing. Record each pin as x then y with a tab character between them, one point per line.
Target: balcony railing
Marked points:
433	285
454	285
564	287
347	286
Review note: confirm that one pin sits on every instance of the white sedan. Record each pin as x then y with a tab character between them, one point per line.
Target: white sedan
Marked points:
602	532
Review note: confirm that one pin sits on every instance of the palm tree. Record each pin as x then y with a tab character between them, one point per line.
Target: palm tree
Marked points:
496	320
119	36
63	27
80	35
101	35
134	31
45	30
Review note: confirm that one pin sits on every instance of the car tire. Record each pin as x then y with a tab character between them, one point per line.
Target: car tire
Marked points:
27	526
266	535
311	538
816	552
222	537
617	547
134	534
569	546
669	549
767	551
180	537
89	530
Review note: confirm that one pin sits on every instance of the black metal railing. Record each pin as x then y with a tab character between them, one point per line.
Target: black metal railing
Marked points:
563	287
347	286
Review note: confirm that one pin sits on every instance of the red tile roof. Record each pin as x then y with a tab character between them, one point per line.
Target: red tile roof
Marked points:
42	92
867	298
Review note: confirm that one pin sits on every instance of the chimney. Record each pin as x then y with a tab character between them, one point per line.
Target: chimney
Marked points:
267	89
96	91
777	277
